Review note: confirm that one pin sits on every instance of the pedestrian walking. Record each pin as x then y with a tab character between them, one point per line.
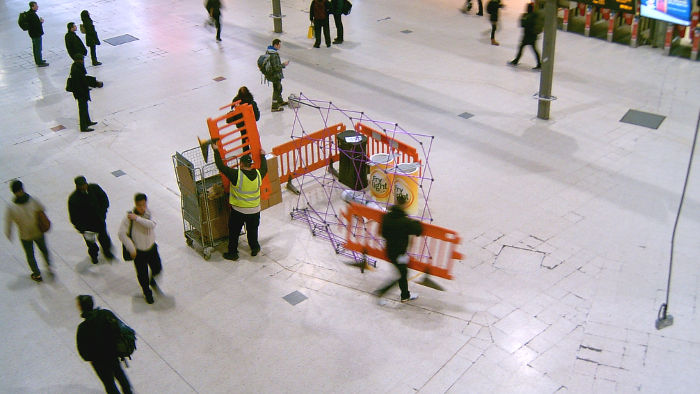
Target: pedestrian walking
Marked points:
74	45
318	14
245	97
396	227
244	197
91	39
137	234
493	7
276	75
35	31
528	21
87	209
214	9
96	339
337	8
24	211
79	84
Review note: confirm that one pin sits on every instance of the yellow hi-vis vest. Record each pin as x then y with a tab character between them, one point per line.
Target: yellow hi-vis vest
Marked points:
245	193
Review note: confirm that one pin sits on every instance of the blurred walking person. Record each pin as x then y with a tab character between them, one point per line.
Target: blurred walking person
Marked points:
493	7
214	9
87	209
23	212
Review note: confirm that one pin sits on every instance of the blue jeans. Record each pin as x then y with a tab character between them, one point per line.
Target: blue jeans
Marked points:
28	245
36	48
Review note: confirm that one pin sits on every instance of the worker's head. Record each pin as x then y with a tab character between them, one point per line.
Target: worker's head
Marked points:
140	203
246	162
17	187
85	303
81	183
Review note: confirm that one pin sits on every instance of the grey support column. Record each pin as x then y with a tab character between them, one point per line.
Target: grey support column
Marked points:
277	15
547	74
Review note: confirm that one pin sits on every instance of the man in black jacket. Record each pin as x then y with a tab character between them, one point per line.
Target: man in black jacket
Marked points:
35	32
337	7
396	227
529	23
87	208
96	341
244	197
80	84
74	44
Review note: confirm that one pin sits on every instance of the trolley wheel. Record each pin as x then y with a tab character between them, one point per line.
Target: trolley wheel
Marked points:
189	242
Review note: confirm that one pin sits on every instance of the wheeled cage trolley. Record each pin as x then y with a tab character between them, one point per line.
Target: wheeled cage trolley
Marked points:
205	209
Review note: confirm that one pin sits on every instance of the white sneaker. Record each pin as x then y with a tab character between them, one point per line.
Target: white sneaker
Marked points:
410	298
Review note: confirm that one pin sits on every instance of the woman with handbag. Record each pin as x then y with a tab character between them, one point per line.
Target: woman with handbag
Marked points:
91	40
28	214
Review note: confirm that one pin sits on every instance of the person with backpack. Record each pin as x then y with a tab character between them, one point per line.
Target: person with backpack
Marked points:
97	341
529	23
137	233
23	212
272	69
74	45
91	39
493	8
318	14
33	22
337	8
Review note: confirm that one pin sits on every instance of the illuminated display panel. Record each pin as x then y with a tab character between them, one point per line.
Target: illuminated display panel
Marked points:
674	11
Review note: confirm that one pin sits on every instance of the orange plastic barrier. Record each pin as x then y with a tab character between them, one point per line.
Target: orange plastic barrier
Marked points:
231	141
434	252
379	142
308	153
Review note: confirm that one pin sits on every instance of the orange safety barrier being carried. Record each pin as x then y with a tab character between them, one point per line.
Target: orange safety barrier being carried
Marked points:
434	252
233	139
308	153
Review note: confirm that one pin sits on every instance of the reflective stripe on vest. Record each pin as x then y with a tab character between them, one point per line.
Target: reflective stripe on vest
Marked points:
246	193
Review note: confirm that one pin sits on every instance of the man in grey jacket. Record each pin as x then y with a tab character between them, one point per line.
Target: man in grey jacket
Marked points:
137	233
276	75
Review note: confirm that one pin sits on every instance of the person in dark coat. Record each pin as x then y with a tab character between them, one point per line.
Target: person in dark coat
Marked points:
35	32
80	86
528	21
96	342
396	227
214	9
245	97
493	7
73	43
337	7
91	39
87	209
318	14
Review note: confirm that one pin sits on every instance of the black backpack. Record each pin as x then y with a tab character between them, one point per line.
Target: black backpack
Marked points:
264	65
124	336
23	20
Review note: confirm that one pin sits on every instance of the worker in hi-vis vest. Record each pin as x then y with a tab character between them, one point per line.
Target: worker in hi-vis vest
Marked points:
244	197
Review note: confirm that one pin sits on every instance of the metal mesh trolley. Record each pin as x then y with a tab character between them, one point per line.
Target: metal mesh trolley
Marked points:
205	211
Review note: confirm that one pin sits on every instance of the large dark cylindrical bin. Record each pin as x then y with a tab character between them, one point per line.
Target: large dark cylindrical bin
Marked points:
353	168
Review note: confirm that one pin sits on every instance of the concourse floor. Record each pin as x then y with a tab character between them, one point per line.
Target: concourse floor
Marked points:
566	223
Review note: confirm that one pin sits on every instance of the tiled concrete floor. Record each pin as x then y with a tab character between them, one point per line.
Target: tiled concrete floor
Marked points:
566	223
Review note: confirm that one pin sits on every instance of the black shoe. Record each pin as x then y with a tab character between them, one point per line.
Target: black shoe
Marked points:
337	41
513	63
96	63
538	67
218	39
149	299
92	124
231	256
86	130
255	251
100	84
480	14
277	109
315	46
44	64
94	260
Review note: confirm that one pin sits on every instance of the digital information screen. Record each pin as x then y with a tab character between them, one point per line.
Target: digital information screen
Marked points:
674	11
617	5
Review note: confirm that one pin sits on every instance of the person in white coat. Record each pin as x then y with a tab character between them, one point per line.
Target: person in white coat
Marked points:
137	234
